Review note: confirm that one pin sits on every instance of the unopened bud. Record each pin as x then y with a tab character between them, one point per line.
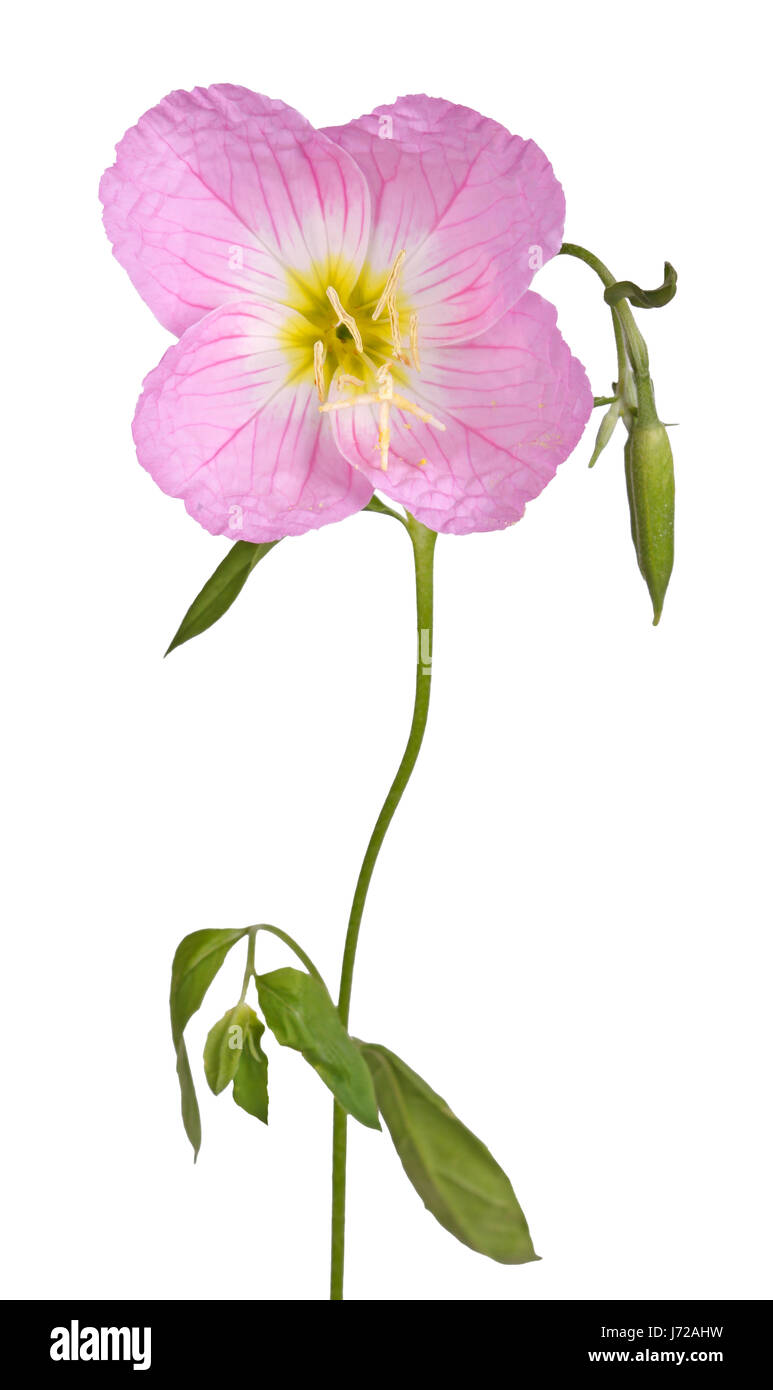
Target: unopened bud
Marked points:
607	429
649	476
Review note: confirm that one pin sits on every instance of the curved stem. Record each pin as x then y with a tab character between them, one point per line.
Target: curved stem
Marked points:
625	329
288	940
423	541
376	505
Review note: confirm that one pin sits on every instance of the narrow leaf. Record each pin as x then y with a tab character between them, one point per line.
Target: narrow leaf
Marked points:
453	1172
189	1103
301	1014
220	590
224	1046
251	1080
196	963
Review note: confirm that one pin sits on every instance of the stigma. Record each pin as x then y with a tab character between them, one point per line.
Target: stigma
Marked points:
343	318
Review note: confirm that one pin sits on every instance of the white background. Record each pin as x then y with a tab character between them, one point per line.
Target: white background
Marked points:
568	931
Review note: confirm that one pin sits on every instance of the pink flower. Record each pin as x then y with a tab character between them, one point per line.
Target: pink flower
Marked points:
353	311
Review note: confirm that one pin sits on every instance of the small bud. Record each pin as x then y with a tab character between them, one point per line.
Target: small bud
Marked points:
607	429
649	476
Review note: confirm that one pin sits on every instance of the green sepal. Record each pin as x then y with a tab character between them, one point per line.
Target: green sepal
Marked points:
232	1053
220	590
196	962
250	1090
457	1178
224	1046
301	1015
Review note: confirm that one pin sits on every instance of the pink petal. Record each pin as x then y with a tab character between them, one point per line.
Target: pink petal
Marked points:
218	192
478	210
514	403
222	423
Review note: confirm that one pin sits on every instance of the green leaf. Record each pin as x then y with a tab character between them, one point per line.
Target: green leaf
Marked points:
220	590
223	1048
251	1079
189	1103
453	1172
196	963
301	1014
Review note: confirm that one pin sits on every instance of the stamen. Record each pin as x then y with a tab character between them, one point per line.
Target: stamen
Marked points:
414	331
390	285
383	434
403	404
394	325
366	399
320	353
345	318
385	397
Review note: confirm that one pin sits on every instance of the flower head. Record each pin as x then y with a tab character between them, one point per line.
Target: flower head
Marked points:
353	311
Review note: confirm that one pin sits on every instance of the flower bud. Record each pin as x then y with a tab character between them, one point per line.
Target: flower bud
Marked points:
649	476
607	429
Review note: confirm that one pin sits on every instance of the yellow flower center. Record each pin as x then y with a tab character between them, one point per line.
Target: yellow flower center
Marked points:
367	345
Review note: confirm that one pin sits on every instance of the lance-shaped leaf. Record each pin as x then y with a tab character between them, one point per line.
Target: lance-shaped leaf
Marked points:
301	1014
233	1053
452	1171
220	590
196	963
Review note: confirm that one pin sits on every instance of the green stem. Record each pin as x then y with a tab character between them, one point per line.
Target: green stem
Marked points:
423	541
376	505
289	941
627	335
249	970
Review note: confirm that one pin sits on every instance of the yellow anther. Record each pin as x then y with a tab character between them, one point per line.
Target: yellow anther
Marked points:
320	353
390	285
414	332
394	325
403	404
345	318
